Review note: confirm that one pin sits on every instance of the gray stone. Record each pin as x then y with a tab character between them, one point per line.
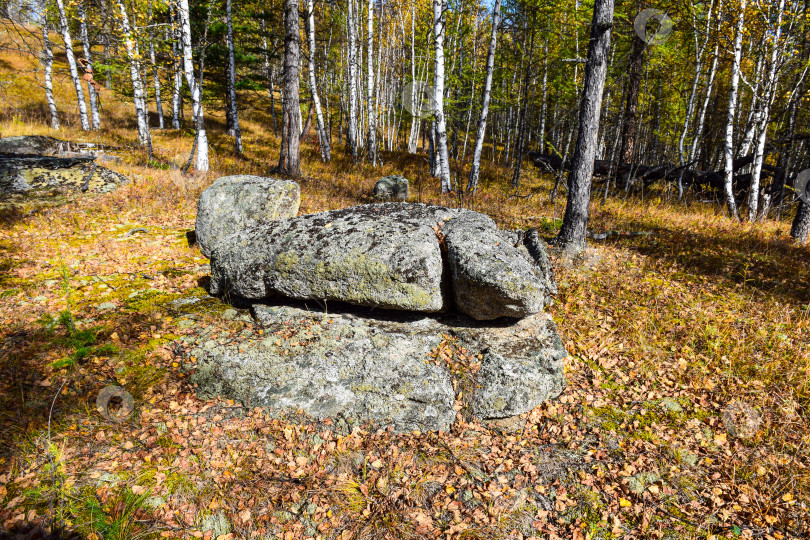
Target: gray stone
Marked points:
237	203
364	370
522	366
378	255
35	145
379	368
670	405
218	524
492	276
23	173
394	187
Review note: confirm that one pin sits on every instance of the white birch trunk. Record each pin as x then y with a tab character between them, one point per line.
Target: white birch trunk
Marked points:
326	151
155	74
48	61
728	152
351	132
413	137
701	121
472	184
144	137
438	88
177	67
88	67
196	97
371	140
767	101
71	59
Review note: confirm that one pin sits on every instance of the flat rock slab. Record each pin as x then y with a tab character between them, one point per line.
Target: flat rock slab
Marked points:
235	203
378	255
22	174
35	144
380	369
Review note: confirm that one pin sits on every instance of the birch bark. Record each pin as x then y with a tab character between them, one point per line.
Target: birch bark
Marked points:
326	151
475	170
200	137
71	59
728	152
442	157
144	137
88	67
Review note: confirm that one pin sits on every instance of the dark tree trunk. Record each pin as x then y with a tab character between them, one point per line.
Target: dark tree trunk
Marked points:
628	145
289	160
572	236
801	223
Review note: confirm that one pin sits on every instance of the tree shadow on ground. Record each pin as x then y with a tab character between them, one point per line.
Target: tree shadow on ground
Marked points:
776	266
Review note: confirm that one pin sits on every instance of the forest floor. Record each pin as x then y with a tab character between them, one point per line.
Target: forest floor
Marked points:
665	333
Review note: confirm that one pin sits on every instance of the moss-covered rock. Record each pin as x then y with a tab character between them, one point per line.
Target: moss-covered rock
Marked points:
23	174
394	187
493	274
381	368
235	203
379	255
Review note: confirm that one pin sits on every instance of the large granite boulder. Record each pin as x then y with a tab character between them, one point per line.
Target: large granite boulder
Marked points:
384	255
492	276
394	187
381	368
378	255
242	202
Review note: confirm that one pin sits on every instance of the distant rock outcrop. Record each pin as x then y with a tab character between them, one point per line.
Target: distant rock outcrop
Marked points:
34	162
391	188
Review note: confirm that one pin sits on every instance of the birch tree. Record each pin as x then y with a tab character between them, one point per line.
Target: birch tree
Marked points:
573	233
728	152
47	60
765	116
200	137
700	49
144	137
155	74
88	67
443	161
269	70
177	67
371	140
472	184
71	59
323	139
351	131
